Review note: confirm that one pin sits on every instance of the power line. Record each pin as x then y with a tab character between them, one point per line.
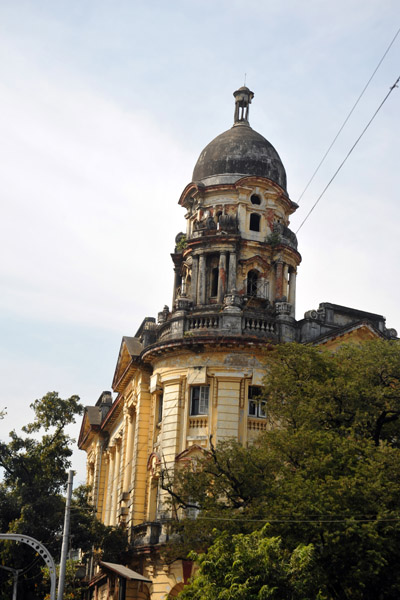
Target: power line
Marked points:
347	118
349	152
315	520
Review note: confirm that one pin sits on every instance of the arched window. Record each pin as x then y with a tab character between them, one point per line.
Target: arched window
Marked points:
255	222
252	282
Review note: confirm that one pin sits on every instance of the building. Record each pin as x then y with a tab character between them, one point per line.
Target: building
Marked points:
194	371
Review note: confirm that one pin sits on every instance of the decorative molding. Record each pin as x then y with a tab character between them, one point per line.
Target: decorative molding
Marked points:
182	392
242	392
215	391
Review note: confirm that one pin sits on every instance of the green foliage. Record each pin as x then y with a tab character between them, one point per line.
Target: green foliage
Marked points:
355	389
31	492
326	477
182	243
274	239
73	586
255	566
88	533
35	472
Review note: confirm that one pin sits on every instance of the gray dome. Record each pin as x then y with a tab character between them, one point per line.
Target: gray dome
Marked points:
236	153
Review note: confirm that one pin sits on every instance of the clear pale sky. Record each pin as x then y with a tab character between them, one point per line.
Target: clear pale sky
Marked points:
105	107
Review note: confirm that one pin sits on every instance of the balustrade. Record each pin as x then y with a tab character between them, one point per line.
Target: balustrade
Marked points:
257	424
258	324
203	322
198	422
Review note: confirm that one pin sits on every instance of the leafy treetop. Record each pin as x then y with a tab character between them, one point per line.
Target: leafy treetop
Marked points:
325	478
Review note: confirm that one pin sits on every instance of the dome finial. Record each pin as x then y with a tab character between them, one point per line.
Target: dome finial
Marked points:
243	98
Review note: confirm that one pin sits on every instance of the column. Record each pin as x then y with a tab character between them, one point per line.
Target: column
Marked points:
221	278
128	451
202	279
100	494
292	290
195	272
109	499
232	272
113	520
177	282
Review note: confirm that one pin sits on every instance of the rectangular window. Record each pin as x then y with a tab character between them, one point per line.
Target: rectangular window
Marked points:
257	408
160	400
192	512
199	400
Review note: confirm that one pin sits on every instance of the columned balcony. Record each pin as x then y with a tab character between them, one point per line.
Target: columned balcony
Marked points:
211	322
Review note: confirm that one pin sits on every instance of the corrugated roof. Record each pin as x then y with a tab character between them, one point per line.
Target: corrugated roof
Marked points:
124	571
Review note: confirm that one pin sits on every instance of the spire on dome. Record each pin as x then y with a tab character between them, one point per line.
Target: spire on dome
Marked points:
243	98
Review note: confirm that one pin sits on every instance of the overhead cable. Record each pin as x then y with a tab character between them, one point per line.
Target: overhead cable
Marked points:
315	520
347	118
349	152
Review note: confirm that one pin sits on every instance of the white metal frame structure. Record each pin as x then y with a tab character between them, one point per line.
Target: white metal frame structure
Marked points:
40	549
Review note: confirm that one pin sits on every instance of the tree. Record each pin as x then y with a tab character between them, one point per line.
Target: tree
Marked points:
35	472
254	566
326	477
355	389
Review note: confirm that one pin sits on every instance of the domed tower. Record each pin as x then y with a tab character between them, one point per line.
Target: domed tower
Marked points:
235	268
234	294
196	372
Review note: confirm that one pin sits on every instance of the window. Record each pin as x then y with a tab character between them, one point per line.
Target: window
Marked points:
254	199
255	222
252	282
160	401
214	281
257	408
199	400
192	512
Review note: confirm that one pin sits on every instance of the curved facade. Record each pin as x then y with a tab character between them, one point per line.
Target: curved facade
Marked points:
194	371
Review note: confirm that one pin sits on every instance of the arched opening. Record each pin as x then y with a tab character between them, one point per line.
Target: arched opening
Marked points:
255	222
252	282
254	199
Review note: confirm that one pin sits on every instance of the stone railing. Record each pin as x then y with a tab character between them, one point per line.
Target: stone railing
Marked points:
234	322
258	324
257	424
198	422
146	534
202	322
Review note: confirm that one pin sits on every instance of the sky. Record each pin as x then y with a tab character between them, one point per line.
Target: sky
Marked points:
104	109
